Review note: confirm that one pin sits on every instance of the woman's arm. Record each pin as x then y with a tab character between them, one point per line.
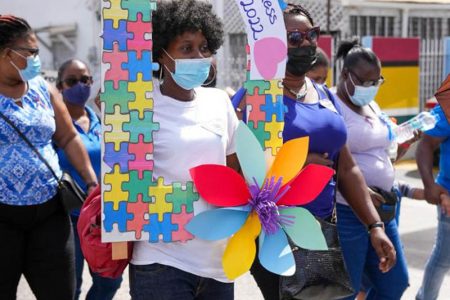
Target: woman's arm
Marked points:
353	188
424	159
67	138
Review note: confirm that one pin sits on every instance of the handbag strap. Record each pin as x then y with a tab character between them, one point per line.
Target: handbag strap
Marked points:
29	144
336	179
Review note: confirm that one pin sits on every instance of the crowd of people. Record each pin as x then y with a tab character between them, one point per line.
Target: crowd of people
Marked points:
46	130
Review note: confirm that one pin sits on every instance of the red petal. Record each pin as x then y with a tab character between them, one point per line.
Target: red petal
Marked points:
220	185
307	185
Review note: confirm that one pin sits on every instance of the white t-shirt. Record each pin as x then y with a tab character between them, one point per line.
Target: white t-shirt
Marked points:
368	140
191	133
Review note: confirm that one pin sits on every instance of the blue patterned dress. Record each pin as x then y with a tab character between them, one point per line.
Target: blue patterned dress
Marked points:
24	178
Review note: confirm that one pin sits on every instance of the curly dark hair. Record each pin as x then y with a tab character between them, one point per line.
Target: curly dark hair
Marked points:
175	17
12	28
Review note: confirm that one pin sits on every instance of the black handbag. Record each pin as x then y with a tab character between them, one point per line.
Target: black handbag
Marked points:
388	209
69	192
320	274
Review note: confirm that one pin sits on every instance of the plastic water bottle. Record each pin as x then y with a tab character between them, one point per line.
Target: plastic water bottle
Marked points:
423	122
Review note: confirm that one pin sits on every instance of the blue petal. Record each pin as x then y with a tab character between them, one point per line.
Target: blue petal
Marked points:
275	254
217	224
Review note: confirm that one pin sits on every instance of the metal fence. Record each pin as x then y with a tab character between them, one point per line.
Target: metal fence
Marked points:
431	67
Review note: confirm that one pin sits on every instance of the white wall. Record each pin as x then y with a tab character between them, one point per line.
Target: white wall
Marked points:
43	13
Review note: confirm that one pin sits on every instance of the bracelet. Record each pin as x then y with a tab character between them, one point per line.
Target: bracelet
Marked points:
238	109
91	184
375	225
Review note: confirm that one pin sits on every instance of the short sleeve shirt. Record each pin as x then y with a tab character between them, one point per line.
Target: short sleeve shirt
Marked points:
24	178
442	130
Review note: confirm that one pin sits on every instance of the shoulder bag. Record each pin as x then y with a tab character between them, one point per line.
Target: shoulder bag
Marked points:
70	193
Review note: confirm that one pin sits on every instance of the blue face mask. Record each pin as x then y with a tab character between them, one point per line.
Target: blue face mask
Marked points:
190	72
32	69
362	95
78	94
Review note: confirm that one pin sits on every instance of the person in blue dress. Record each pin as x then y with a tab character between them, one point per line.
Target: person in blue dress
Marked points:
74	82
35	232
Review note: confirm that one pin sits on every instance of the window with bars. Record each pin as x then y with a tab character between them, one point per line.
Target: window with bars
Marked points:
427	28
372	25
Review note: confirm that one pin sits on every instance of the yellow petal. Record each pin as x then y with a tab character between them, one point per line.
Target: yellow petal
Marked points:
290	159
241	249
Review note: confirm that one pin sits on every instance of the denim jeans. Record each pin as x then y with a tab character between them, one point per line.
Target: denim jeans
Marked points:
439	262
102	288
161	282
362	260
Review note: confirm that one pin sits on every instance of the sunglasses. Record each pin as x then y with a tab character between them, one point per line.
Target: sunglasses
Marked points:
367	83
71	81
33	51
296	38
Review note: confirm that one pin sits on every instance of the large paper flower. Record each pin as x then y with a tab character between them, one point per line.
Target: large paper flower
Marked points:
262	205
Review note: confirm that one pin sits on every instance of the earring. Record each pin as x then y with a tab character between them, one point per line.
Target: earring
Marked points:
161	80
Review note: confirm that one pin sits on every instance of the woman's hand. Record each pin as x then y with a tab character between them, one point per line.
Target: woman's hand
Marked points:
433	193
445	204
384	249
377	199
318	159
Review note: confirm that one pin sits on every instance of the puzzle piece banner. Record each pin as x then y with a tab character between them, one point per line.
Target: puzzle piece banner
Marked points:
268	48
135	205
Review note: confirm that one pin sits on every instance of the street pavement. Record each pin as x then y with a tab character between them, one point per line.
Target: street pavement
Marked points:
417	229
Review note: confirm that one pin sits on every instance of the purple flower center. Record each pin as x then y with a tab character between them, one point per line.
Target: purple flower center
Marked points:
263	202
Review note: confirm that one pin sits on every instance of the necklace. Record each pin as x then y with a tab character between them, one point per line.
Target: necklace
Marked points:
301	94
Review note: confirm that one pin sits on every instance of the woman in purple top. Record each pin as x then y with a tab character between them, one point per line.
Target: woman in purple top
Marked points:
312	112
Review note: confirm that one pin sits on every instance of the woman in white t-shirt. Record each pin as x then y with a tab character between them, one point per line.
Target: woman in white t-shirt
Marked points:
197	126
369	137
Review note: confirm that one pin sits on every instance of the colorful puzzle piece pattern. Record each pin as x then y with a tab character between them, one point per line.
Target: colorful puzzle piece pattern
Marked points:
136	206
266	110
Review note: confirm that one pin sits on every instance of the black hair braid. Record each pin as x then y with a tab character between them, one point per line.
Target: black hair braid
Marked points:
12	28
297	9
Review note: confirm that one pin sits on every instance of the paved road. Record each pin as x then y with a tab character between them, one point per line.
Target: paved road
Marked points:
417	228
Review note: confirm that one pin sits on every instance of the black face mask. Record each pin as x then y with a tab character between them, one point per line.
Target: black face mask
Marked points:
300	60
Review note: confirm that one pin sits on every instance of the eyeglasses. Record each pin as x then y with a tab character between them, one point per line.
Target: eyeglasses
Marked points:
367	83
71	81
33	51
296	38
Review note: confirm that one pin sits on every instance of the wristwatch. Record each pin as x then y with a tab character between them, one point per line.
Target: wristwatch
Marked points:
375	225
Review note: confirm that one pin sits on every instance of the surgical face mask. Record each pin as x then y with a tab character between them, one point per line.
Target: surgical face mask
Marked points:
362	95
32	69
300	60
77	94
190	72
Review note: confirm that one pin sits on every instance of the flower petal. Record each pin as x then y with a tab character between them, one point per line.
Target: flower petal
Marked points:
217	224
220	185
305	231
241	249
307	185
275	254
290	159
250	154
